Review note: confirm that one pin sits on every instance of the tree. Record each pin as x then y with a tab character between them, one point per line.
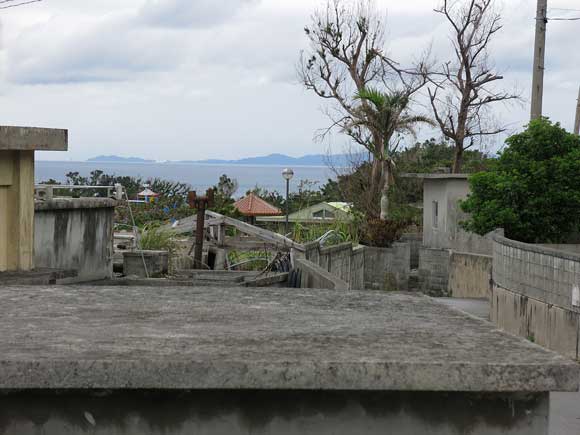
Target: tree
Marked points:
347	57
388	114
464	90
532	190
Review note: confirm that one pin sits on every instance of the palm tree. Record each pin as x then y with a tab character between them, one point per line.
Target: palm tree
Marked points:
386	113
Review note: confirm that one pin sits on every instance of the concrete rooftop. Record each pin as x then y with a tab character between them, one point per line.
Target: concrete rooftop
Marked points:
237	338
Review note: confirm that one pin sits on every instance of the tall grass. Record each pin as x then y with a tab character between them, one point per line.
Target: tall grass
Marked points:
153	238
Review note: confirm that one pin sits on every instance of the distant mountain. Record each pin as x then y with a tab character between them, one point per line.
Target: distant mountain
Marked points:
280	160
117	159
269	160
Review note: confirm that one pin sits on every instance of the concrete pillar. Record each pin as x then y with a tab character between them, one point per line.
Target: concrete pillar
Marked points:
17	146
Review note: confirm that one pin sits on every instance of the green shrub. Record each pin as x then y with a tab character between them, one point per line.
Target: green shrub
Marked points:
532	190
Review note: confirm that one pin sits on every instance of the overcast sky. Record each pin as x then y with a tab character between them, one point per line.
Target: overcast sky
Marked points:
194	79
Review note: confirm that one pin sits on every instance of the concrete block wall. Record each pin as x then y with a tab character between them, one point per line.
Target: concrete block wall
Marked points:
532	294
434	271
469	275
387	268
315	277
342	261
544	274
415	240
75	234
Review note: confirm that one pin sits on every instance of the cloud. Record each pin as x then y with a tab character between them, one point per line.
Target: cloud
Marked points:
116	46
190	13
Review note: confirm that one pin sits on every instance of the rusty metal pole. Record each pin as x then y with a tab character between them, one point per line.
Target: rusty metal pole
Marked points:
201	204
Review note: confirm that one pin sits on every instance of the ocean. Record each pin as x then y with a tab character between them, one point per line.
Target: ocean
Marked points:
199	176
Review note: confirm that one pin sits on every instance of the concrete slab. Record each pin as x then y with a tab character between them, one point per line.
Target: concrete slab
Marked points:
33	139
91	338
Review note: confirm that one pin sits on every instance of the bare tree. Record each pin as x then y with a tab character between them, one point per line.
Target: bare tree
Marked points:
7	4
346	59
464	90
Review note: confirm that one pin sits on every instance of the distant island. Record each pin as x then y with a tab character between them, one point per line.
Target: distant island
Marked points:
269	160
117	159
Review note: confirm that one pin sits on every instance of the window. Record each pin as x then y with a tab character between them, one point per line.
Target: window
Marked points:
435	214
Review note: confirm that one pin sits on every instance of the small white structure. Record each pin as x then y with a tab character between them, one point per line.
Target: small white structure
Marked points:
324	212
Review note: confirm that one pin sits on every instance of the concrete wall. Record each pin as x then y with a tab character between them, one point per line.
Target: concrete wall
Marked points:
387	268
315	277
415	240
469	275
343	261
446	233
536	294
16	210
75	234
273	413
434	271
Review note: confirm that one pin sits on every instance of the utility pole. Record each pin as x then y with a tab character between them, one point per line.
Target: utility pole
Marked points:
577	122
539	57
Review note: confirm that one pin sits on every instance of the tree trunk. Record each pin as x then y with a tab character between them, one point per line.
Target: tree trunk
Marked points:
385	191
458	160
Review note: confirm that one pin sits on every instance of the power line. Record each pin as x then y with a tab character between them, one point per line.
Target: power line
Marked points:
17	4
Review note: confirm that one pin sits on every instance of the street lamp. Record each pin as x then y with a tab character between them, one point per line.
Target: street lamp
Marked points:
287	174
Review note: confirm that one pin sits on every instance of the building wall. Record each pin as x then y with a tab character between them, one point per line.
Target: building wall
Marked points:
75	234
536	294
447	234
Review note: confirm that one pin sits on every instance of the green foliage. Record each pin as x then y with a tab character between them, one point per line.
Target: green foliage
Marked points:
223	196
533	190
249	260
153	238
343	232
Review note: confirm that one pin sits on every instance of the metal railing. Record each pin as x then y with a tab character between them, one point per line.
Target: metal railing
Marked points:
47	191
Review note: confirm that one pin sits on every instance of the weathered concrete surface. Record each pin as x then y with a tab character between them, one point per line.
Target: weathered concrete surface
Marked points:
75	234
434	271
387	268
313	276
156	263
273	413
564	407
79	337
33	139
547	325
470	275
343	261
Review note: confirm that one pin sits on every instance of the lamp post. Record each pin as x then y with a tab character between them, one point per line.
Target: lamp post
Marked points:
287	174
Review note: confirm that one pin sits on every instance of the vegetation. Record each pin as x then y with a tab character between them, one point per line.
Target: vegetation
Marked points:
532	190
466	86
153	238
368	93
388	114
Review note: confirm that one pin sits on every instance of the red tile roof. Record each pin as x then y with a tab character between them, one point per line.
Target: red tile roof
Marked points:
253	205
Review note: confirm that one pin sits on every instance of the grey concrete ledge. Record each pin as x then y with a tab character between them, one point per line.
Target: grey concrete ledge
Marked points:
336	248
33	138
502	240
92	338
74	203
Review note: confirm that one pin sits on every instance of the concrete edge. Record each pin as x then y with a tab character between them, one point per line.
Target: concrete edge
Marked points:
74	204
224	374
502	240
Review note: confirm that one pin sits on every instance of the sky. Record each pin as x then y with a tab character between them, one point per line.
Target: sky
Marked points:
197	79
